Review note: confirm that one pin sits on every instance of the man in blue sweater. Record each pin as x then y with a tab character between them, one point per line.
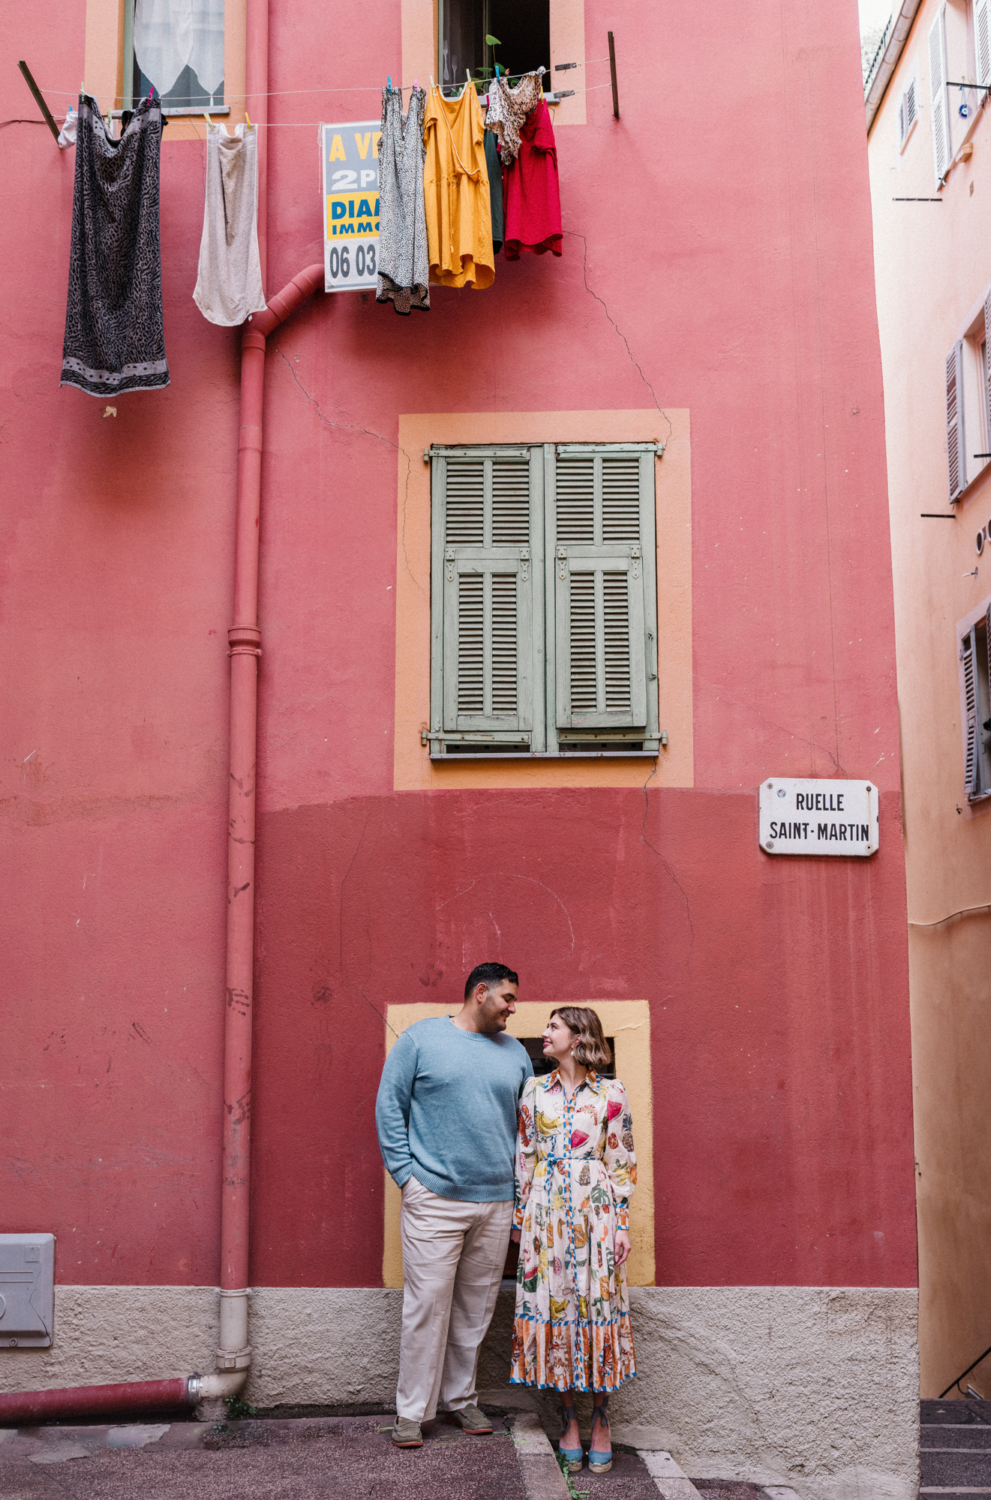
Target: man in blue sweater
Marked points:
446	1120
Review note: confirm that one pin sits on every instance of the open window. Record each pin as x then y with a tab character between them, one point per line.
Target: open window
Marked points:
976	690
938	100
981	14
177	47
522	38
543	600
968	404
908	111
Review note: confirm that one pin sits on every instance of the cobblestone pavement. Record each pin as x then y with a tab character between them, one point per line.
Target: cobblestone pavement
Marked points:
310	1458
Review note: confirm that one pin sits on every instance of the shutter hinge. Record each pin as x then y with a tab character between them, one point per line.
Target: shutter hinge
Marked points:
562	563
426	455
635	555
524	563
659	449
450	561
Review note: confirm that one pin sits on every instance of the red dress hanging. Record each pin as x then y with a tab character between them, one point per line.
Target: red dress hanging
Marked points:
531	195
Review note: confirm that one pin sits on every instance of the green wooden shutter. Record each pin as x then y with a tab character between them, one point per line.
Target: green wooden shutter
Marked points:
487	599
605	608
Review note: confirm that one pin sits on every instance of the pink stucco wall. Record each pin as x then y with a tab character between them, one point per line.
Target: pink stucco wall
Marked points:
717	258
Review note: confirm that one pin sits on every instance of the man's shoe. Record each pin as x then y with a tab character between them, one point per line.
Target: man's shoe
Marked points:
470	1419
407	1434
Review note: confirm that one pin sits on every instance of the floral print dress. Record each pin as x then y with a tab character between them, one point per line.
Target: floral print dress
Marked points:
575	1174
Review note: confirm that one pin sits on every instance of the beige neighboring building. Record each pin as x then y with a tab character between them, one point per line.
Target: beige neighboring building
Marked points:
930	169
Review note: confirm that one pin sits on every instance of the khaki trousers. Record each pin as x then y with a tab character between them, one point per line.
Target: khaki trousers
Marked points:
453	1258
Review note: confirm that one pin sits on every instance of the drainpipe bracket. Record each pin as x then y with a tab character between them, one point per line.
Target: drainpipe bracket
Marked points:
234	1359
244	640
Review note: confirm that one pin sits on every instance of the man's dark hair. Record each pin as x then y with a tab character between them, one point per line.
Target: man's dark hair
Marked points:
489	974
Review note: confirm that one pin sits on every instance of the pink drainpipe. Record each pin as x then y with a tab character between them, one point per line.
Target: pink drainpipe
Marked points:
245	647
244	640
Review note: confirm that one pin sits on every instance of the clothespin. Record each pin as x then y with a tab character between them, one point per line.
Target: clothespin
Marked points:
497	70
207	118
247	119
389	82
431	80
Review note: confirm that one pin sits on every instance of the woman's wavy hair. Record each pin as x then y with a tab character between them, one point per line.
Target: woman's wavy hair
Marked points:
591	1048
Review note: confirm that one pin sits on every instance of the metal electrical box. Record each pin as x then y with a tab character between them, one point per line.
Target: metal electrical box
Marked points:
27	1290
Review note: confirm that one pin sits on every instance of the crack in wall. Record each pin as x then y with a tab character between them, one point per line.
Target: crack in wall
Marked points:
368	432
626	343
813	744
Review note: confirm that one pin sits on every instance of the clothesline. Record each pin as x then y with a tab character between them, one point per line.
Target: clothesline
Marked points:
446	202
315	124
371	88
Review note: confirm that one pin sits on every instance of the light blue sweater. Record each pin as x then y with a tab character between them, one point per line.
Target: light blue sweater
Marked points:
446	1110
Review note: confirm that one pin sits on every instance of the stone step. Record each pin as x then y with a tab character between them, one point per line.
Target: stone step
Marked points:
952	1439
953	1413
963	1469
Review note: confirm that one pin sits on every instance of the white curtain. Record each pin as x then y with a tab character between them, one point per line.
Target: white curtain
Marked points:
168	34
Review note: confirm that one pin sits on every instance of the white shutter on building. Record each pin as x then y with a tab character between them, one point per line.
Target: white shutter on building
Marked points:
955	450
604	609
907	111
937	96
982	41
986	372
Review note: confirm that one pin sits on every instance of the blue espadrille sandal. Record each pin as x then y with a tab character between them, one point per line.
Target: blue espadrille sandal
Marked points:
573	1456
599	1463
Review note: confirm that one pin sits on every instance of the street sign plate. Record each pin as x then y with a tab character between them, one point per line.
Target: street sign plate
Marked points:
813	816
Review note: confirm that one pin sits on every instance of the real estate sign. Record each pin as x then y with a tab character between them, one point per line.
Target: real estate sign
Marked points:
351	205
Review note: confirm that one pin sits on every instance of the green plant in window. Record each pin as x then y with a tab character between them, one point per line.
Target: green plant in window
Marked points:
483	74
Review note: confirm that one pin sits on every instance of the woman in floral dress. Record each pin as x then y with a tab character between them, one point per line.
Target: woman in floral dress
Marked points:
575	1174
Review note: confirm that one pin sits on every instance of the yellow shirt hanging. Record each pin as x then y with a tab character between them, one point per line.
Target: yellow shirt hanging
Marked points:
456	189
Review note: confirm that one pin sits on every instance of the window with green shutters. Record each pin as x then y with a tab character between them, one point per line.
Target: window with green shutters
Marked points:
543	600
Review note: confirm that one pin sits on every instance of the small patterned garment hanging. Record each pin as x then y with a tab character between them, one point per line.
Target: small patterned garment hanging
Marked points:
114	329
508	108
404	261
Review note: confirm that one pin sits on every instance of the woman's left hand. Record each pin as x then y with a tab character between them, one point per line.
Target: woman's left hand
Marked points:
622	1246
